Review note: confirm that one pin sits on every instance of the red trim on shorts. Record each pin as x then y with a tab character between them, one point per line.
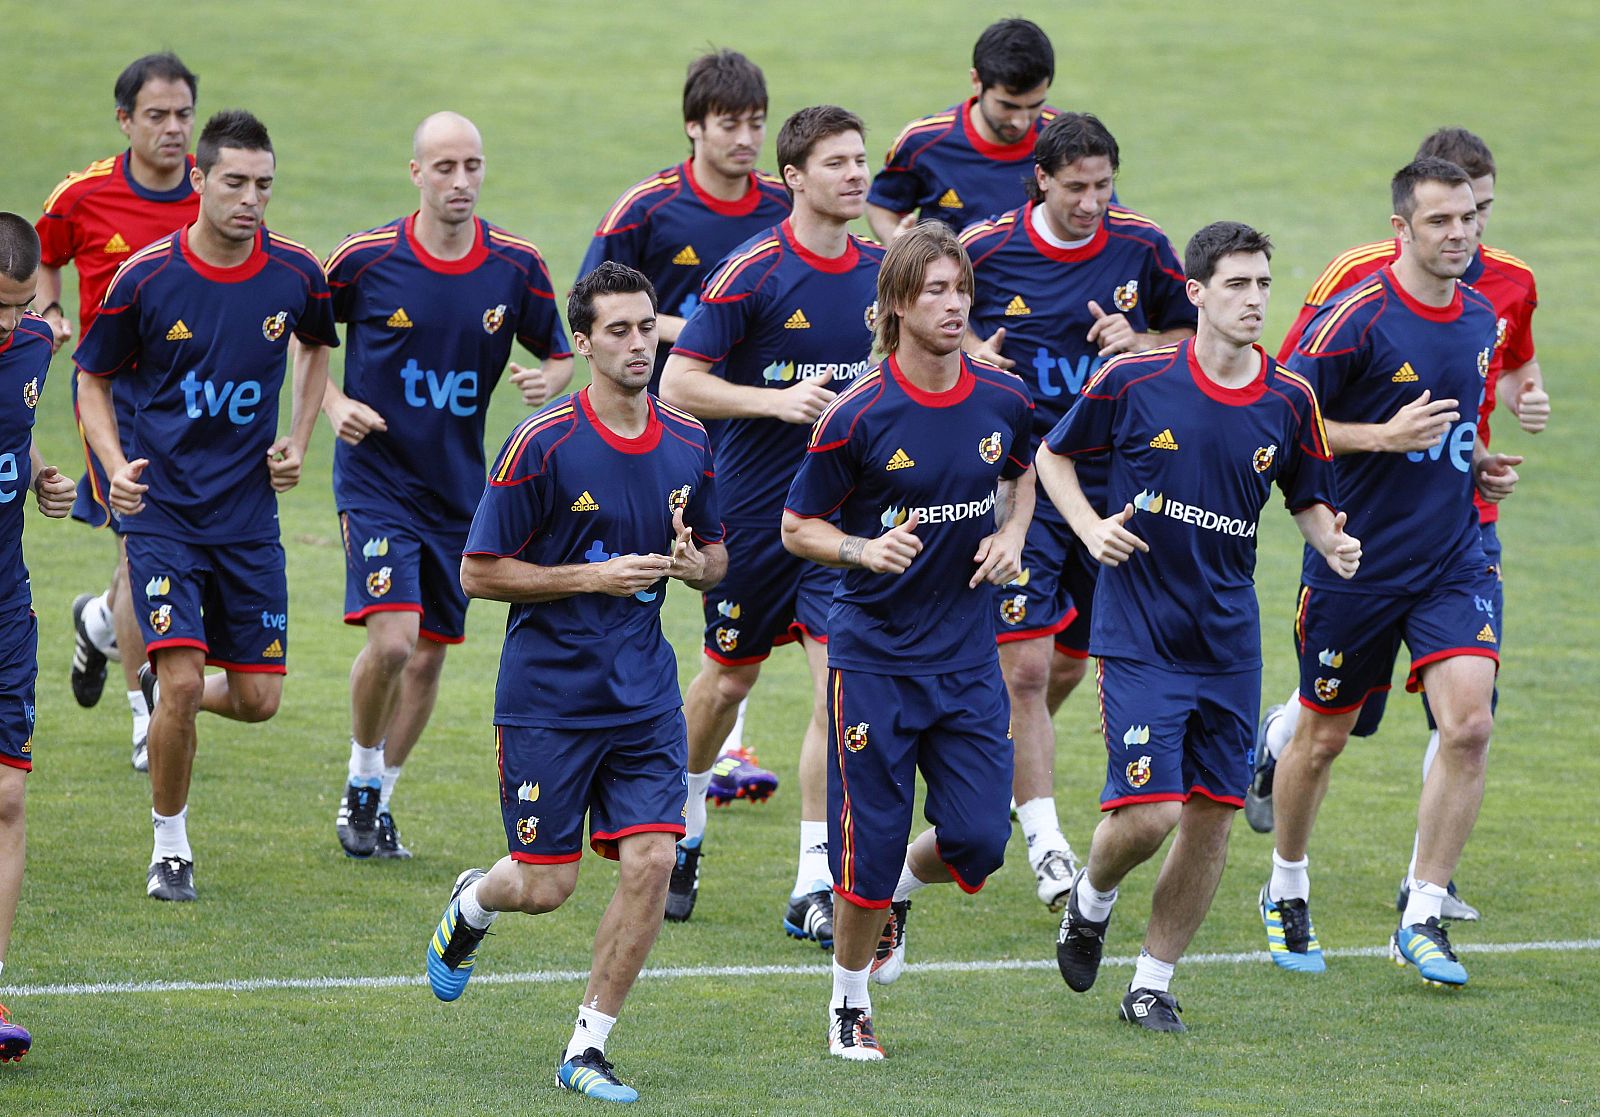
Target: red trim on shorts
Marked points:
969	889
17	762
1414	680
1071	652
248	668
606	844
1013	634
360	615
542	859
175	642
861	901
1135	800
1332	711
1225	800
744	660
800	632
441	638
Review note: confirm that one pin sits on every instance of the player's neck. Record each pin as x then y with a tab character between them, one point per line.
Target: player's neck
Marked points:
926	370
154	179
217	250
819	233
623	412
1421	284
717	184
1225	363
981	126
444	241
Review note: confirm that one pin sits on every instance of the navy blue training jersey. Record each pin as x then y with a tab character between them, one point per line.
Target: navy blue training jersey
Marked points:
429	339
885	449
773	313
24	361
674	232
566	490
1198	462
1368	354
201	351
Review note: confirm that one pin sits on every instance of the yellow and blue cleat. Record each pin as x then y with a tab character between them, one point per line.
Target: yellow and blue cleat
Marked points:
1427	947
592	1076
1291	940
453	949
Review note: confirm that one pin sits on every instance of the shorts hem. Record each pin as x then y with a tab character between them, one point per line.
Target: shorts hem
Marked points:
861	901
1414	680
441	638
805	633
17	762
1335	711
176	642
1136	800
1058	627
955	875
248	668
1071	652
545	859
359	617
606	844
742	661
1236	801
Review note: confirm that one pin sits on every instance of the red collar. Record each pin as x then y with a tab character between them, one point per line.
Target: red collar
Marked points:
236	274
832	265
1233	397
471	260
641	443
947	398
741	207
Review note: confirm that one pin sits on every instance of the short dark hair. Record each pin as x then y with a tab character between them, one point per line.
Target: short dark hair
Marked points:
1219	239
164	66
1013	54
1403	187
723	81
809	127
1461	147
610	278
1068	138
229	128
19	248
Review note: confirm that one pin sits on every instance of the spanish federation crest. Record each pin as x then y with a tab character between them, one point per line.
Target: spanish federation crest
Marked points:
30	393
494	318
380	581
855	736
727	639
1138	772
1126	297
527	830
989	448
871	316
1483	363
1262	459
273	328
1327	689
678	499
1014	609
161	619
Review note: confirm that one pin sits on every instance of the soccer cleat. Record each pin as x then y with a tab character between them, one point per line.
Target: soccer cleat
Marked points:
14	1039
453	949
1079	943
389	844
736	775
1258	796
1454	908
593	1076
1291	940
1153	1009
357	821
890	957
850	1036
811	917
88	661
1054	874
1427	947
170	878
150	687
141	753
684	888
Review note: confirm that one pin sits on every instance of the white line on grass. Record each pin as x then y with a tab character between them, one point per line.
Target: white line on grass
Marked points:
550	977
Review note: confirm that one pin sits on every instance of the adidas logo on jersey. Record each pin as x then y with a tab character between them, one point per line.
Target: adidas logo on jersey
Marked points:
900	460
585	503
1405	375
1486	634
399	320
797	321
687	257
273	650
179	332
1164	441
116	245
1016	306
951	200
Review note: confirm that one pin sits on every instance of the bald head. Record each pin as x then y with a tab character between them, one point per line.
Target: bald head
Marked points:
447	167
444	127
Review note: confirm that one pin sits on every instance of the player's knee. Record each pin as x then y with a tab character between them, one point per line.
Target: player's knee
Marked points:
258	705
1322	742
389	651
181	691
539	892
650	867
1148	824
1027	676
12	787
1468	736
730	686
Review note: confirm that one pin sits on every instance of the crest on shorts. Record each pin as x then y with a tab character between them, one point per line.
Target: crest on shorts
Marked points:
161	619
1138	772
273	328
494	318
1126	297
855	736
1483	363
30	393
527	830
380	581
1262	459
989	448
678	499
1330	658
1014	610
871	316
727	639
1327	689
1137	735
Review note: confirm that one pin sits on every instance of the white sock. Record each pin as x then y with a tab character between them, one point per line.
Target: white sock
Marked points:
1427	764
141	714
592	1029
812	873
1425	902
172	835
102	629
850	988
2	967
736	735
909	883
694	816
366	765
1290	881
1093	904
1041	828
473	912
1281	728
390	777
1152	973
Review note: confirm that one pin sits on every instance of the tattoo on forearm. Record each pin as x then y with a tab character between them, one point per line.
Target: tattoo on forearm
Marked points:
850	549
1002	502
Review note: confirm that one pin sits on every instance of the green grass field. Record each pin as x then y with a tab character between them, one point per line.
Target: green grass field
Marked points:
1286	116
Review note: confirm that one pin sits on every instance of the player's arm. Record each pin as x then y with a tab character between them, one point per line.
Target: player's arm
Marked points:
54	490
542	382
99	419
1522	392
886	224
350	419
689	383
505	578
1115	334
1107	539
48	297
999	556
816	539
1324	530
288	453
1417	426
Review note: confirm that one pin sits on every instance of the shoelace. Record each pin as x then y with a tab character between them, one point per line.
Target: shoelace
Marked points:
1435	931
855	1027
1296	920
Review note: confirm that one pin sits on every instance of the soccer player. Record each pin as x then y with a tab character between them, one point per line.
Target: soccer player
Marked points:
1508	283
1064	283
972	160
1193	437
592	505
433	302
198	324
96	218
26	343
1397	362
909	459
784	321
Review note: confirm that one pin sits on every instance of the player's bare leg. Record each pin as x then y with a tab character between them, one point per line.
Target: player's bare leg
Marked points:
13	848
810	910
1459	691
1066	672
1189	876
632	920
249	696
710	706
1027	667
130	646
171	744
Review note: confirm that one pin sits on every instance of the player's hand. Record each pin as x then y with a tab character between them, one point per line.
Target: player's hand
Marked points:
892	552
688	564
1495	476
1532	405
533	383
903	226
1344	550
55	492
60	329
1420	424
283	465
999	559
627	575
989	351
353	420
802	402
127	494
1112	332
1111	543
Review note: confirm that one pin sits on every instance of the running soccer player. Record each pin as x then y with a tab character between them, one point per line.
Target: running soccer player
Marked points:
783	321
199	325
26	343
971	161
909	459
1509	285
95	219
1193	436
433	302
1064	283
1397	362
592	505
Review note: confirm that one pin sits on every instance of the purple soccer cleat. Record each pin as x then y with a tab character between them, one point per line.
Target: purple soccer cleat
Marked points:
14	1039
737	775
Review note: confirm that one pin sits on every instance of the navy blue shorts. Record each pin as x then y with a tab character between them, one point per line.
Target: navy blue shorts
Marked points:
956	728
19	667
392	567
1036	603
230	600
768	598
1491	553
1172	734
1078	578
629	779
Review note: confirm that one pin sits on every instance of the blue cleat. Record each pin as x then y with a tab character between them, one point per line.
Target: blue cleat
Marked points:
14	1039
453	949
1427	947
1291	940
592	1076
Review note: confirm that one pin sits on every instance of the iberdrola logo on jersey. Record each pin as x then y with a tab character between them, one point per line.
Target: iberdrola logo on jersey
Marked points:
1126	297
1148	501
778	372
274	326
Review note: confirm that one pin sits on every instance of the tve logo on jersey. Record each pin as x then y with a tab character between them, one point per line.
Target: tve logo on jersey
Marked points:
597	552
10	474
1056	375
455	391
1457	442
207	398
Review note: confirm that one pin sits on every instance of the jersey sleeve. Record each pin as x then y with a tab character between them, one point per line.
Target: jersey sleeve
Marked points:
900	187
828	472
538	324
625	244
1307	475
730	298
112	344
1297	329
341	271
56	239
1519	331
316	325
1170	308
1331	353
1019	458
515	502
704	514
1086	429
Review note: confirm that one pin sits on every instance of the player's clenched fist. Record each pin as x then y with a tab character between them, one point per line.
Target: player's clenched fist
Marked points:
353	420
999	559
627	575
55	492
1111	543
127	494
1495	476
802	402
283	465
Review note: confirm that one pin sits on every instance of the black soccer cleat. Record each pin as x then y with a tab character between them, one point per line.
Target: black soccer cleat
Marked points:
88	661
389	844
684	887
1152	1009
170	878
810	916
1079	943
357	821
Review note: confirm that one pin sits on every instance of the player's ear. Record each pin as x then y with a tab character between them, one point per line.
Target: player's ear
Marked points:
197	179
977	83
1401	227
1194	289
125	121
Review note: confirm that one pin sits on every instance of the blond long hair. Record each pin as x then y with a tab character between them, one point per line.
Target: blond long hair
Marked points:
904	269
